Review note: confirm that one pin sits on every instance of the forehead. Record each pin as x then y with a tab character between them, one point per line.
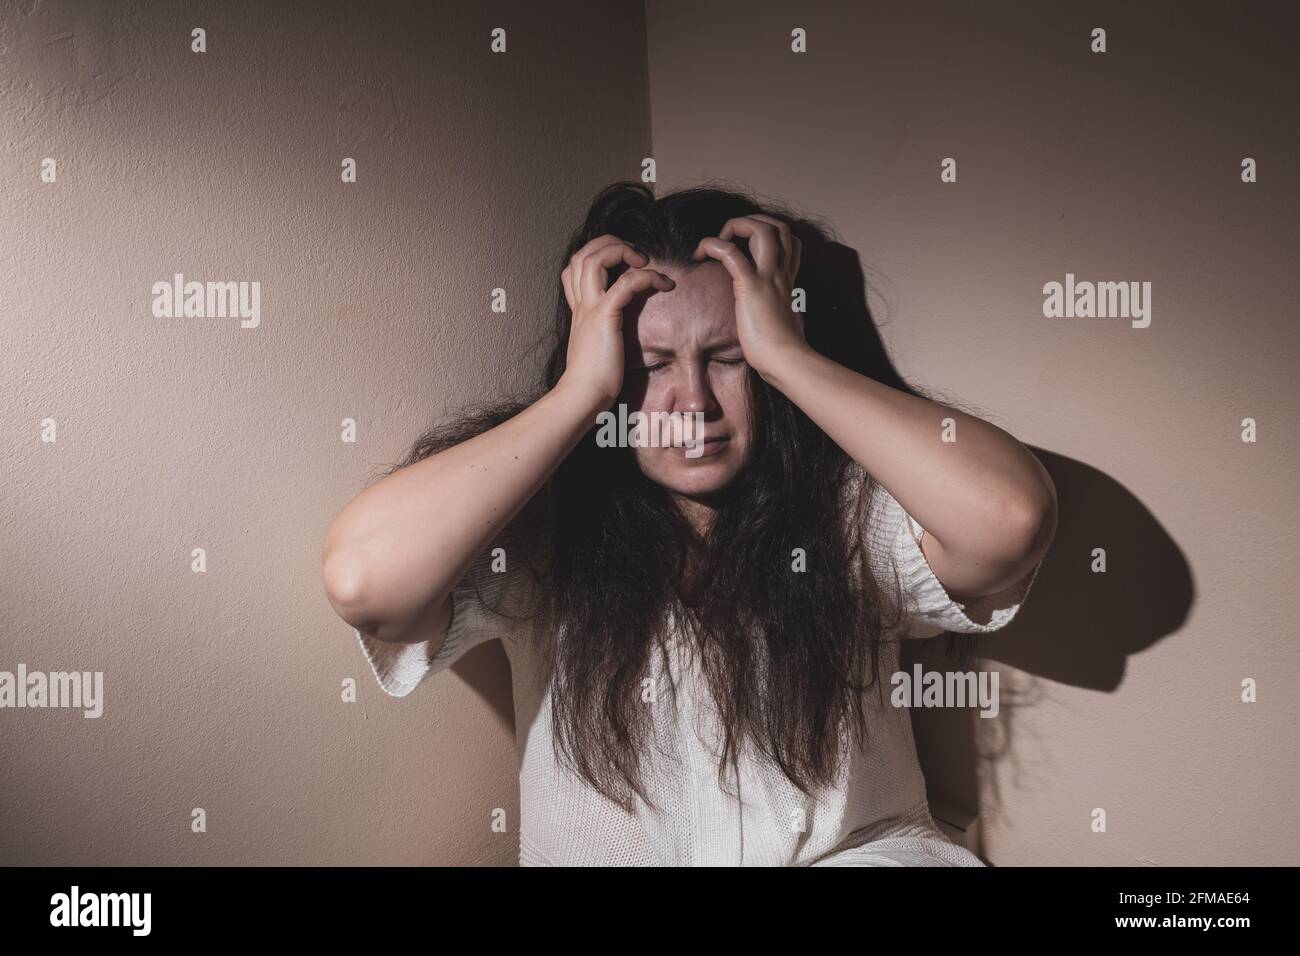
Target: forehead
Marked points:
701	307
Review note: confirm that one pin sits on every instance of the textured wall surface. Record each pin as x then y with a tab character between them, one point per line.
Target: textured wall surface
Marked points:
223	688
1125	688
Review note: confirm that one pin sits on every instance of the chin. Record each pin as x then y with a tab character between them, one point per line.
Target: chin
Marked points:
694	477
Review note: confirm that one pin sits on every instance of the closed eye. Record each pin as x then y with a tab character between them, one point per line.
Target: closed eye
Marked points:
660	366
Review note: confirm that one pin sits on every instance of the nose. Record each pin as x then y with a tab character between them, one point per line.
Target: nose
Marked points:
694	391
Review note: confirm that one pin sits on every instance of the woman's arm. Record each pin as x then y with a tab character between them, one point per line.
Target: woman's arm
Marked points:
987	504
393	556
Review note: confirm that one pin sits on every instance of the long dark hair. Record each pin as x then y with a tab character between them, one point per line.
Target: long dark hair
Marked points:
787	656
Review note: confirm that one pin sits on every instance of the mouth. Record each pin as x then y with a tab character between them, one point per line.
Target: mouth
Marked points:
711	446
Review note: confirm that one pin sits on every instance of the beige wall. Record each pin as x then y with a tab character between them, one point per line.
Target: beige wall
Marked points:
223	688
1123	166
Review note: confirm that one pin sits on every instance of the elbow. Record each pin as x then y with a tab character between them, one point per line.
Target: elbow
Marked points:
345	589
1031	523
350	589
344	575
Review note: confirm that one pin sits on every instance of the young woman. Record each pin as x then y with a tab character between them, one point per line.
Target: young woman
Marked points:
701	636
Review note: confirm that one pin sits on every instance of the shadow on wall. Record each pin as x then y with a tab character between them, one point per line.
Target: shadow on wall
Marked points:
486	670
1077	628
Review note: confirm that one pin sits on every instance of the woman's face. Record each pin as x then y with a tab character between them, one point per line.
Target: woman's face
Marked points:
682	355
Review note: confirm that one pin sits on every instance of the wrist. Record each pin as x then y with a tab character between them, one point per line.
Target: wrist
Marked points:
778	365
588	399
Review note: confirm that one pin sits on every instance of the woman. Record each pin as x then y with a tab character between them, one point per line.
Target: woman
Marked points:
698	632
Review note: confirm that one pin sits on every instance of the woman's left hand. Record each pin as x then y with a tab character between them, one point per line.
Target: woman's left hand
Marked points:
765	323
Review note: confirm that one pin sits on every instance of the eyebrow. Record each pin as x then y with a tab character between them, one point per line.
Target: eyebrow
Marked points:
710	347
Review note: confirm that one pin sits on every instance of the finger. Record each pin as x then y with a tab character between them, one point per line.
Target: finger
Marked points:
725	252
567	281
761	239
594	276
573	284
786	237
765	243
630	283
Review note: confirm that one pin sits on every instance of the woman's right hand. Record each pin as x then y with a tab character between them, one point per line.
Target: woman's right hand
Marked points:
595	356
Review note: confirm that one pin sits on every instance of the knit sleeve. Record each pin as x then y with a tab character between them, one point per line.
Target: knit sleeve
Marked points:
928	608
481	605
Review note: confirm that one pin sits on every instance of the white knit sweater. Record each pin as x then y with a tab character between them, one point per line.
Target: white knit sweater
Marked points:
877	814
